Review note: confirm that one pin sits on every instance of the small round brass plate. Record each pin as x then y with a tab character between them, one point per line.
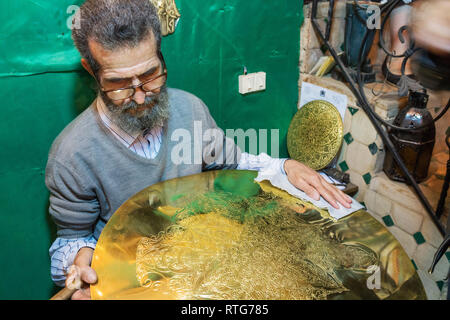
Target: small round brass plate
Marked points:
315	134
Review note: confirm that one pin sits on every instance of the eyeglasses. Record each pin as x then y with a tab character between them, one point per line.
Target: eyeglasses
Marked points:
151	85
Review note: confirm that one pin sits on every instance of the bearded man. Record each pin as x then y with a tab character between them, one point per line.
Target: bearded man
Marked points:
122	142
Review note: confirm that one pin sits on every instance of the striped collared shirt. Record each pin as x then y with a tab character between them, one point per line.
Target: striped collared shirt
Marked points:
146	143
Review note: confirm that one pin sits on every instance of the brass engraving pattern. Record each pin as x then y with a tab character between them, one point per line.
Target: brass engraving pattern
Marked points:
214	256
315	134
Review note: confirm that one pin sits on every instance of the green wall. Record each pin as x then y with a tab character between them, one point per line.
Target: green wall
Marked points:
42	88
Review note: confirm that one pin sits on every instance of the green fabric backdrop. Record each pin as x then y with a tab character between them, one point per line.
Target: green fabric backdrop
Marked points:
42	88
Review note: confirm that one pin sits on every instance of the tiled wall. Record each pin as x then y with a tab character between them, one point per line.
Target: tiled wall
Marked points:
396	206
392	203
362	154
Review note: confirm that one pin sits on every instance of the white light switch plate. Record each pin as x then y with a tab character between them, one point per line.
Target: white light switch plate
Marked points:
252	82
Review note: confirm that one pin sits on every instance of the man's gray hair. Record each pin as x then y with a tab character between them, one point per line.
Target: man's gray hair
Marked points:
115	24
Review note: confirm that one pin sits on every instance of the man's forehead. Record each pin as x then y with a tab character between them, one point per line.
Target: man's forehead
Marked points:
125	62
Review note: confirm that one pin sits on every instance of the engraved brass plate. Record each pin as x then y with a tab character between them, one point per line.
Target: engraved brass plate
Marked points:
145	215
315	134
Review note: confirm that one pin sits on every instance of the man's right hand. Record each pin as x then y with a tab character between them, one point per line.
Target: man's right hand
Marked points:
83	272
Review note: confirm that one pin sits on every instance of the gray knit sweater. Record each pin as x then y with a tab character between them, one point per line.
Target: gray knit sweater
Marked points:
90	173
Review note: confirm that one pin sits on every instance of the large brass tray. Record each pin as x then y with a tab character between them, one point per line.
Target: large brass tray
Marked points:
115	255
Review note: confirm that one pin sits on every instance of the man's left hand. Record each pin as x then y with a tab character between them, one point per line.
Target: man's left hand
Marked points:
314	185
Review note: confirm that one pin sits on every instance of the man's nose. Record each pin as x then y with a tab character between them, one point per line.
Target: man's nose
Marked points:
139	94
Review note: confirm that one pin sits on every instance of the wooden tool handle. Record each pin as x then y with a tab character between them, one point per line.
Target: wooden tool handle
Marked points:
64	294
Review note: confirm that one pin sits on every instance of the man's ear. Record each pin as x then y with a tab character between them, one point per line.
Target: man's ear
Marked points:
86	65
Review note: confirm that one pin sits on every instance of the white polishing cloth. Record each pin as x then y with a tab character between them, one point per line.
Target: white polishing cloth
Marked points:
281	181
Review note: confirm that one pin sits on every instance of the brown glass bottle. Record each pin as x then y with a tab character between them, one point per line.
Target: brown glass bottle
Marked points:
415	147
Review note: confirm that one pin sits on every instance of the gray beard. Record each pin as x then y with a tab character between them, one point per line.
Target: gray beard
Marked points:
156	113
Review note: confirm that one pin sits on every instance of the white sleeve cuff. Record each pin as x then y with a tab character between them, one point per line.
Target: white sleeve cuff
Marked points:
261	162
